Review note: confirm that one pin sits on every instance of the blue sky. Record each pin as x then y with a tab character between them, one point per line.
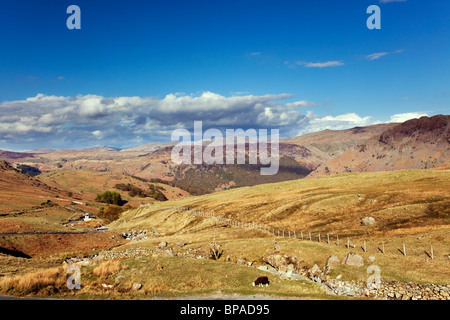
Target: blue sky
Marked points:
139	69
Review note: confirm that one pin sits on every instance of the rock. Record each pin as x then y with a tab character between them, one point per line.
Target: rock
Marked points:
296	276
281	262
368	221
332	261
263	268
159	267
136	286
169	253
180	244
241	261
371	259
290	268
353	259
162	244
314	272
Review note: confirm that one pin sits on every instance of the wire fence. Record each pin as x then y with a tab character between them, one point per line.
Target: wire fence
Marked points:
329	238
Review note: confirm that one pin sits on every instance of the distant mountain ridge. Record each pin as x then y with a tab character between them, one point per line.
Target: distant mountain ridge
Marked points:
415	144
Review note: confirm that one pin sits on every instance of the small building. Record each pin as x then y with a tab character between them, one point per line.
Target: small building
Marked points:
87	217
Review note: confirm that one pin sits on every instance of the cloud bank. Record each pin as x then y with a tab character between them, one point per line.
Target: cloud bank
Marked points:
87	120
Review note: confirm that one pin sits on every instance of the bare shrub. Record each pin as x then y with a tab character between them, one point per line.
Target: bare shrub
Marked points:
214	251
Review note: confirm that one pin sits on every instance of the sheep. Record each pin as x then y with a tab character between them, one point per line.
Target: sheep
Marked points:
260	281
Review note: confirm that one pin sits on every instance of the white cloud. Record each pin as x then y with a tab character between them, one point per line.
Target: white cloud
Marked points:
57	121
97	133
339	122
378	55
402	117
301	104
320	64
76	122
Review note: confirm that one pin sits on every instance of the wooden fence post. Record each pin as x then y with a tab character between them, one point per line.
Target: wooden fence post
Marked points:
432	255
319	236
310	236
404	250
328	238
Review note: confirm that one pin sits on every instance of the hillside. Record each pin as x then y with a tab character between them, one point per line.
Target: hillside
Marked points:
295	162
91	183
19	191
408	206
406	201
335	142
415	144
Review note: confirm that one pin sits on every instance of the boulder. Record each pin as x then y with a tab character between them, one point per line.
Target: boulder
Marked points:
367	221
180	244
332	261
353	259
162	244
315	269
168	253
282	262
136	286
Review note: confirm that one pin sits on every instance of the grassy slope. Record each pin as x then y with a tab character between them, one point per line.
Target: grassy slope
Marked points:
411	207
335	204
91	183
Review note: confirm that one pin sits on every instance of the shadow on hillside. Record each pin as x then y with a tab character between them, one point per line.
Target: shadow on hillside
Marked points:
14	253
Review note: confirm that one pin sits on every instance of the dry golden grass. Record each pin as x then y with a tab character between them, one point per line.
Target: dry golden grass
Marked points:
397	200
89	183
47	281
410	207
107	268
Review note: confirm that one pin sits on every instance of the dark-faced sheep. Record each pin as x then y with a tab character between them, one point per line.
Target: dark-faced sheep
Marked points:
261	281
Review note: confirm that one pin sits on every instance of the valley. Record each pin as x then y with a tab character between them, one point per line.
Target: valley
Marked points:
313	232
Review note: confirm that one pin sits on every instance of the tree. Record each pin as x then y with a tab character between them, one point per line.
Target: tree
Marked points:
29	170
110	197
